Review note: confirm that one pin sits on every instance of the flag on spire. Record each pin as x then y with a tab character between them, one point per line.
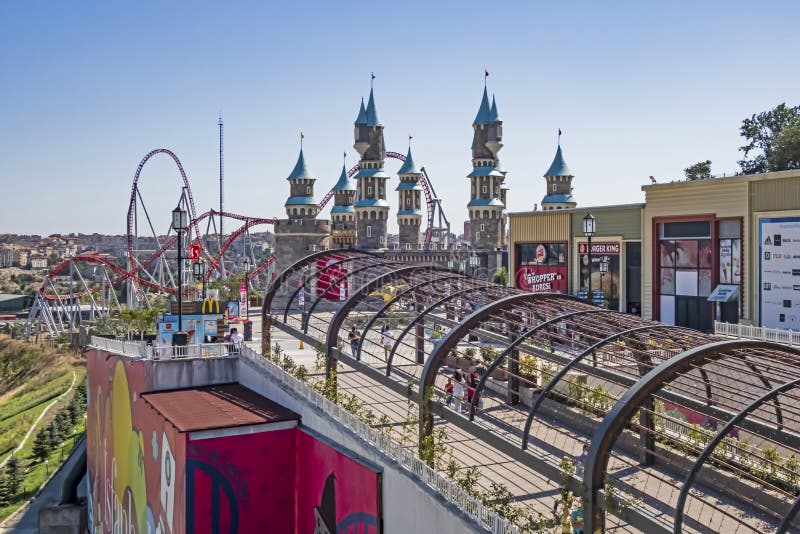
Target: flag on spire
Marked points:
485	73
559	136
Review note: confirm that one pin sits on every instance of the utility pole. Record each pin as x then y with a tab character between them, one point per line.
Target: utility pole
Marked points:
221	178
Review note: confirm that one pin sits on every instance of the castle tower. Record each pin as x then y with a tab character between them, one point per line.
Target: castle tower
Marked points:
409	209
300	233
343	212
559	183
371	209
487	199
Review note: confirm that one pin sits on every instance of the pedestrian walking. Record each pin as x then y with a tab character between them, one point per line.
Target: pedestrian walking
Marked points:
353	338
448	392
458	390
386	340
236	339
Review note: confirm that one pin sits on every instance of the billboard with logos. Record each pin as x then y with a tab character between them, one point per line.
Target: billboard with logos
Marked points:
609	282
332	279
779	268
541	267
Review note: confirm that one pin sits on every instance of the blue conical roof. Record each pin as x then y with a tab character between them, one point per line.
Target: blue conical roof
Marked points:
372	112
300	171
362	114
344	183
484	112
493	115
409	167
559	166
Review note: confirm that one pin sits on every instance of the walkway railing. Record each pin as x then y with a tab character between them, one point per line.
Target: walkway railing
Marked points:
407	458
776	335
140	349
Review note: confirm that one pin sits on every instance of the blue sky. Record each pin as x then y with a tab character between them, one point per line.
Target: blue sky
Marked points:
638	88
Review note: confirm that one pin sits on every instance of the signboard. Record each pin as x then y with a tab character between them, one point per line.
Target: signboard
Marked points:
599	248
332	281
243	302
779	267
723	293
197	327
607	283
232	307
542	278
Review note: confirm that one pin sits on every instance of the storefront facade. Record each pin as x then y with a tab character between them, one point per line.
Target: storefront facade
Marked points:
708	244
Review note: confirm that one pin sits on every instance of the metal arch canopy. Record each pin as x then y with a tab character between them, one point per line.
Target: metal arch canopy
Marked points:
606	434
453	337
341	314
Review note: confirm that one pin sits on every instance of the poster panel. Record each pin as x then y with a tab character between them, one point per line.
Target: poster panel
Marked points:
601	252
334	275
779	267
542	279
335	492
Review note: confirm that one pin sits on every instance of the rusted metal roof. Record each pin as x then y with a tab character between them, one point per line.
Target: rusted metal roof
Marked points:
221	406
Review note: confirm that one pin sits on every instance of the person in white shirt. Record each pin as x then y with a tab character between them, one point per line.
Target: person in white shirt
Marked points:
236	338
458	390
386	340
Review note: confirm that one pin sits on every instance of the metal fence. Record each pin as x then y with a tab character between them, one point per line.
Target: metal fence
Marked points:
481	514
140	349
776	335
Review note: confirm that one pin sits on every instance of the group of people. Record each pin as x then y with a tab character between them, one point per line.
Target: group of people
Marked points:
355	340
460	390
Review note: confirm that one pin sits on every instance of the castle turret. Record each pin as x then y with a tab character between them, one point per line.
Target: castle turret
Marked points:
301	232
559	183
409	209
487	199
343	212
371	209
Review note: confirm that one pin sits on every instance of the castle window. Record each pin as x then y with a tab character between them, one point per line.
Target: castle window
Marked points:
308	190
408	202
554	187
369	190
483	227
483	189
477	236
369	231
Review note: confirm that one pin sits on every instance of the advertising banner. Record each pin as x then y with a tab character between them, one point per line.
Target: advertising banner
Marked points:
608	283
542	279
332	282
779	267
243	302
195	326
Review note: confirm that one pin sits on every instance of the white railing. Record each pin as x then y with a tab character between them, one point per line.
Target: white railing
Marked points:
776	335
140	349
481	514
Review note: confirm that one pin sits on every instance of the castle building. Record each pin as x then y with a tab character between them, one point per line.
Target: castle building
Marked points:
371	208
559	184
301	232
343	212
488	194
409	212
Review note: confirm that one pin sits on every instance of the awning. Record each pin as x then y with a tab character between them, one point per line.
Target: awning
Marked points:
724	293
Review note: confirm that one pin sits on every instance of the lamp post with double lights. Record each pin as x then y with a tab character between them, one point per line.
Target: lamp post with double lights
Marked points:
199	271
180	222
589	229
603	271
248	326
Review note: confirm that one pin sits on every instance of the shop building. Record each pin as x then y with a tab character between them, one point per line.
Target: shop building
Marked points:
725	249
550	253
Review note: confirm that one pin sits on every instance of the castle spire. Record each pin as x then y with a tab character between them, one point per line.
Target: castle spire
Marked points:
494	116
362	114
301	171
372	112
484	111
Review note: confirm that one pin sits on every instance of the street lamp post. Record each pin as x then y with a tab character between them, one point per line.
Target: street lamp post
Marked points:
247	268
474	261
603	271
589	228
199	271
180	222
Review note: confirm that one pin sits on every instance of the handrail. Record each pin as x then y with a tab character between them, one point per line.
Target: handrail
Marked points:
776	335
407	458
141	350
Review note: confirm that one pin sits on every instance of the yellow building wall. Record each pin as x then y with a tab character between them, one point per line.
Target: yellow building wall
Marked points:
722	199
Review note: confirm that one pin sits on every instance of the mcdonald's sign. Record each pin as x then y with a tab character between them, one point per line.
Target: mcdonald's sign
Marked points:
210	305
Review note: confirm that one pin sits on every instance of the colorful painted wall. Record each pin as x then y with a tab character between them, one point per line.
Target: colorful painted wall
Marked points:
135	459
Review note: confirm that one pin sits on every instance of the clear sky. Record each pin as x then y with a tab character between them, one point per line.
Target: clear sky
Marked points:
638	88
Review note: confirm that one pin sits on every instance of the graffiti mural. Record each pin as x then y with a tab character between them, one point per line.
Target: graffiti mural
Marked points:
134	459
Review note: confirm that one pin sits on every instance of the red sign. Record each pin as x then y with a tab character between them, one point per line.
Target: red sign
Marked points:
194	251
332	280
542	279
599	248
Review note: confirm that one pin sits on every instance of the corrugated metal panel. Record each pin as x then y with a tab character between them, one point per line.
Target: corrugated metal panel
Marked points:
625	222
539	227
775	195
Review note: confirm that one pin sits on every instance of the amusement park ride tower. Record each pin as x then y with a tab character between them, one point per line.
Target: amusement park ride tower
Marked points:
488	193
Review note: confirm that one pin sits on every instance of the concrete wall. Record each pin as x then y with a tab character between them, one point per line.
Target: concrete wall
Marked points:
408	506
297	238
164	375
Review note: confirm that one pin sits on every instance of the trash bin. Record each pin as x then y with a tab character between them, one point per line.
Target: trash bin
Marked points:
248	331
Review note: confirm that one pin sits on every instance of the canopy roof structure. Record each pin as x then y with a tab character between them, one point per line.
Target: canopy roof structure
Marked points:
688	431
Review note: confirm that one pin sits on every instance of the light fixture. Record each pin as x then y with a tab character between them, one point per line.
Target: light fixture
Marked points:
180	219
589	225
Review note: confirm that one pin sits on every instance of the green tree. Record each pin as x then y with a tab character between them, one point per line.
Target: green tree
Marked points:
62	422
141	321
699	171
54	435
5	491
774	138
41	444
73	410
14	474
501	276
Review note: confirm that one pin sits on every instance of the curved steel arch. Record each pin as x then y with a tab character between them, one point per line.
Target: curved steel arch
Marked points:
452	339
514	344
421	316
269	294
709	449
341	314
563	372
392	301
387	263
319	272
612	425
